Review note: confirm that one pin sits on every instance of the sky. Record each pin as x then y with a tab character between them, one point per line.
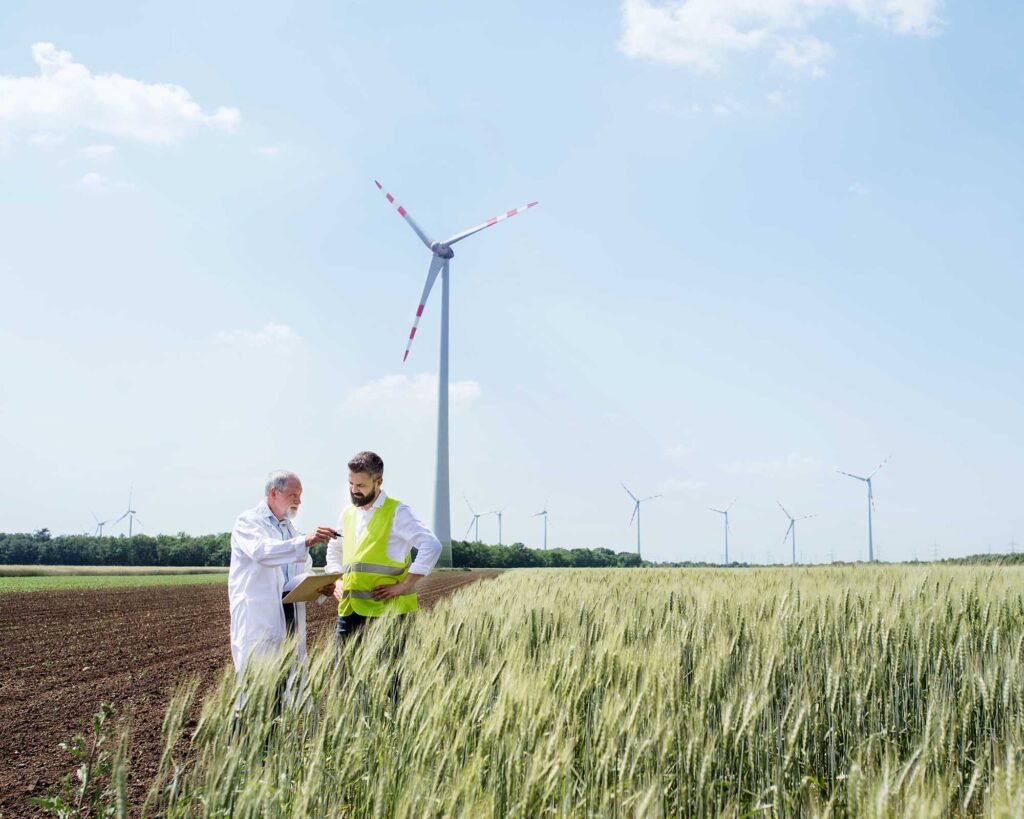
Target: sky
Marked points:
774	240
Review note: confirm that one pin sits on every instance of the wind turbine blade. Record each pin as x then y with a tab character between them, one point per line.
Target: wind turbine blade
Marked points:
94	516
851	475
787	531
783	508
649	497
468	530
458	237
636	507
405	215
138	522
807	517
629	493
436	263
731	505
120	519
720	511
883	463
539	514
471	509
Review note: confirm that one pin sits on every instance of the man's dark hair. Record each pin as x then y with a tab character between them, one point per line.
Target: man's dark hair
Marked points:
369	462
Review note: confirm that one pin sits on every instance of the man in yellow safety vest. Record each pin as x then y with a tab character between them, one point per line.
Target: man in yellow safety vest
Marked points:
378	534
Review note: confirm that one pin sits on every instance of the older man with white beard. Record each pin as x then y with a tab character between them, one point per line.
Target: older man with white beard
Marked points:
266	551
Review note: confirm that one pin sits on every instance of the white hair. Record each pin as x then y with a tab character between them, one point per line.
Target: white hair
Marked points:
279	479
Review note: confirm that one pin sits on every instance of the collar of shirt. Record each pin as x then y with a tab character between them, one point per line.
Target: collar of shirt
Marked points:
366	511
284	526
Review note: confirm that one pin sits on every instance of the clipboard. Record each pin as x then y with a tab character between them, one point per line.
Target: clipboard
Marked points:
304	588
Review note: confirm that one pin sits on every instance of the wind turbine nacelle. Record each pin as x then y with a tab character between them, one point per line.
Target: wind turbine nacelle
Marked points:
442	251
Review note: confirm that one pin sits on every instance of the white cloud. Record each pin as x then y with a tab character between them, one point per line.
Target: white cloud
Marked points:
97	151
805	54
684	485
702	34
266	150
272	335
417	392
66	95
678	450
47	139
859	189
793	465
97	183
775	97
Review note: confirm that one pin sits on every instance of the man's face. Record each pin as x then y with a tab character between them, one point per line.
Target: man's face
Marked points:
284	503
363	488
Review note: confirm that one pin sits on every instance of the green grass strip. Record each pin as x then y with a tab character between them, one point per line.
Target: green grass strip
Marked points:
39	584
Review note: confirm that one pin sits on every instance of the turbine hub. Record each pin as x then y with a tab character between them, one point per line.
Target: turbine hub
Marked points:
442	251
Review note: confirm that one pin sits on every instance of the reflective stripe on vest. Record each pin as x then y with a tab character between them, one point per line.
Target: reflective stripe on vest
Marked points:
374	568
367	564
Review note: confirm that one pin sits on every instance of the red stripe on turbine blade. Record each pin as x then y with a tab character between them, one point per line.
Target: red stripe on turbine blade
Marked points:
379	186
492	221
401	210
405	356
532	204
412	334
512	212
390	198
419	310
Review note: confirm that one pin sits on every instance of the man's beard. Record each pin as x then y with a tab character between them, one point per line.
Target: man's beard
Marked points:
362	500
291	512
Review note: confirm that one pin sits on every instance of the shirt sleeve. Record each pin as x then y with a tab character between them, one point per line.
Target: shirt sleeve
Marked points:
334	553
264	549
415	533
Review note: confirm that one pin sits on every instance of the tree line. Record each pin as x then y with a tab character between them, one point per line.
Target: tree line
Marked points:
41	548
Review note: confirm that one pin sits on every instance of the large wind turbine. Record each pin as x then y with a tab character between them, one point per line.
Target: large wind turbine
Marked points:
475	522
871	503
441	256
499	513
792	527
545	514
130	513
725	514
636	513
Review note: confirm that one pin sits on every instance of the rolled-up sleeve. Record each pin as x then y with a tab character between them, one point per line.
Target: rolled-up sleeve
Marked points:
415	533
254	542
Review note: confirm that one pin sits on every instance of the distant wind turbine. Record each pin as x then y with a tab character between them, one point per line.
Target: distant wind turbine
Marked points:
792	527
636	513
871	504
544	512
499	513
725	514
99	524
473	523
130	514
441	256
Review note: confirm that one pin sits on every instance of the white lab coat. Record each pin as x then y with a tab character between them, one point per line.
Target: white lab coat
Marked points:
260	547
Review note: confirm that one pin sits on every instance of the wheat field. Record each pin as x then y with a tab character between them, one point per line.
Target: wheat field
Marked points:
855	691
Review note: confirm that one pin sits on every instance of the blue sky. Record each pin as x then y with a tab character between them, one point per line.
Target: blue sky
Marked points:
774	240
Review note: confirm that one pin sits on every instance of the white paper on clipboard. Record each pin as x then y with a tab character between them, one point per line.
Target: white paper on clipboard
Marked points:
303	587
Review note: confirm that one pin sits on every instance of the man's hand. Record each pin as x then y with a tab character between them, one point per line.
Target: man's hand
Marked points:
337	591
326	591
387	592
323	534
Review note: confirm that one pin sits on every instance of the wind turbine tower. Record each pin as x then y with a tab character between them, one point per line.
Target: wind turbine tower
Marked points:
636	513
499	513
544	513
871	504
792	527
441	256
725	514
475	523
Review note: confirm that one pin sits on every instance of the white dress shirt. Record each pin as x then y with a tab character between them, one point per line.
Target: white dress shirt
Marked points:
263	551
407	531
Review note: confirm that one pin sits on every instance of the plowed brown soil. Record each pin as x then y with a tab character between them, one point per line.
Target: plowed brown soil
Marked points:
63	653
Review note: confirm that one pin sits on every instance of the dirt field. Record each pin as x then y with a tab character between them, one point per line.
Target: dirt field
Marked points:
62	654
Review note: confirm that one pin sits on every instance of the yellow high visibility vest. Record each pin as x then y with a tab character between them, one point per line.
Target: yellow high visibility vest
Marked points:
366	565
